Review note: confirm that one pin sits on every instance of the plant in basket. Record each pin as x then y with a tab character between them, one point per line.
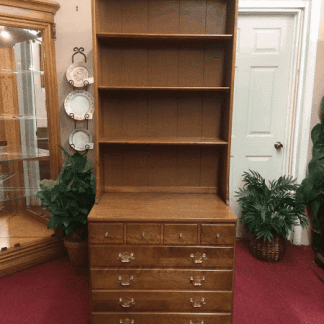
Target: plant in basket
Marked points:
70	198
269	212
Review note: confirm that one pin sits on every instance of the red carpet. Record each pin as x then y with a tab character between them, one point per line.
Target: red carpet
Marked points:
290	291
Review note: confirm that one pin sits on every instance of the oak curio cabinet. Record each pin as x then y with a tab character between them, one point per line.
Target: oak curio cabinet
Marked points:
29	131
161	234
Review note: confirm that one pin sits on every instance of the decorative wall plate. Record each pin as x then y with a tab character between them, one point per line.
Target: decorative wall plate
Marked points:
79	104
76	73
80	140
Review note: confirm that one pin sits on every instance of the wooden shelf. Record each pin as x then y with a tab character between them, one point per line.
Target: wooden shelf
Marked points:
108	37
205	89
152	206
163	141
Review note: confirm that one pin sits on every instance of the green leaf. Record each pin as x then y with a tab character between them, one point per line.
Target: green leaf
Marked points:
316	133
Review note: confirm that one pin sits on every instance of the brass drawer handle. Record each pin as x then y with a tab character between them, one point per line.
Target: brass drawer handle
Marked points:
197	302
180	235
196	322
143	235
198	257
125	280
107	234
217	235
127	302
127	321
125	257
197	281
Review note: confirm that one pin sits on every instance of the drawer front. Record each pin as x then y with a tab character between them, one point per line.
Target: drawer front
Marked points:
145	279
106	233
212	234
150	318
180	234
160	256
157	301
143	233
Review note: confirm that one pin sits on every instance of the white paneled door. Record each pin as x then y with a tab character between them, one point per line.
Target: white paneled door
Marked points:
263	97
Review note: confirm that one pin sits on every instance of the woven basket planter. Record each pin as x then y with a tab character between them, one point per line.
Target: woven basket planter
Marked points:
270	251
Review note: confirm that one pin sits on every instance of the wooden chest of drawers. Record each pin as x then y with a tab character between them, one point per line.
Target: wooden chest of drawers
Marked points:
155	268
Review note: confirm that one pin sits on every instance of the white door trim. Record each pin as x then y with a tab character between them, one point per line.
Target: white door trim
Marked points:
307	15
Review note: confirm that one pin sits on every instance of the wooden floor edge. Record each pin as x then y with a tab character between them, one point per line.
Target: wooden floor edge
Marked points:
27	257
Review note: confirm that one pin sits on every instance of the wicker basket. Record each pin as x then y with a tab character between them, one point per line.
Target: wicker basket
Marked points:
270	251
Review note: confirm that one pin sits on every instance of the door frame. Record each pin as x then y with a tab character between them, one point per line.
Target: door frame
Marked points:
307	20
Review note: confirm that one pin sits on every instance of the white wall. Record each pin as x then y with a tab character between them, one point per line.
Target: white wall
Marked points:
73	29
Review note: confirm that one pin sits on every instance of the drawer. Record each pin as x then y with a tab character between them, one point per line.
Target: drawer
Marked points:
160	256
106	233
149	318
212	234
180	234
143	233
170	279
161	301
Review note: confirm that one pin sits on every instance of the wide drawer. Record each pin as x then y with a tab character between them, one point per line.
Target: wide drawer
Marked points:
160	318
161	301
106	233
180	234
214	234
160	256
143	233
176	279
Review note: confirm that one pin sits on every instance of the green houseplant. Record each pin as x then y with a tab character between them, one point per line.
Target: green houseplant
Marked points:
311	190
70	198
269	212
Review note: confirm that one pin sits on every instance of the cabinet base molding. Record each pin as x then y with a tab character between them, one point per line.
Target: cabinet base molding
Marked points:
30	254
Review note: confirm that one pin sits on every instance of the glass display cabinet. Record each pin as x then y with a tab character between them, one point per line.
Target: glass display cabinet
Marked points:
29	131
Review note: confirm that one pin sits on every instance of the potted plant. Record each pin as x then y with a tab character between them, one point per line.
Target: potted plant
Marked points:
269	212
70	198
311	190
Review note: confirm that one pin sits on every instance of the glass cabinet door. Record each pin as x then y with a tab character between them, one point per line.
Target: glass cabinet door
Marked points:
24	142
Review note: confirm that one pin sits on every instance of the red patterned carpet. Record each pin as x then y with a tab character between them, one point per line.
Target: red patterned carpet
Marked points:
290	291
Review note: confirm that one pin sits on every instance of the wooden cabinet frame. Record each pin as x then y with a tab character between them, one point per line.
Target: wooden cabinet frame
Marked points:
37	14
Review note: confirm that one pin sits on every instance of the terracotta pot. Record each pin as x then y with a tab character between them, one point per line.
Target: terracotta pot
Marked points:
77	251
270	251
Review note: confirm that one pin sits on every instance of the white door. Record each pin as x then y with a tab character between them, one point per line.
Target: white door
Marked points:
262	97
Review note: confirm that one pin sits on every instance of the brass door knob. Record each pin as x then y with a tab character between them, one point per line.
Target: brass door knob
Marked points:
278	145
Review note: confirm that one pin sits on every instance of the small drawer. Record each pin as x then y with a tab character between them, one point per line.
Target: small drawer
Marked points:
106	233
143	233
180	234
217	234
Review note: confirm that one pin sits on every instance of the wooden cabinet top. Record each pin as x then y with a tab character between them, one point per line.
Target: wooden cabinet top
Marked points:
161	207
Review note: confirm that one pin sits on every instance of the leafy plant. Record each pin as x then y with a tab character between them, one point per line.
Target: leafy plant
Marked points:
311	190
272	209
71	196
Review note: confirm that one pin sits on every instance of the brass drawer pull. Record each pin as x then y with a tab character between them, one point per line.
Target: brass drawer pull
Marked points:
125	280
217	235
197	281
196	322
126	257
107	234
127	321
143	235
127	302
197	302
180	235
198	257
